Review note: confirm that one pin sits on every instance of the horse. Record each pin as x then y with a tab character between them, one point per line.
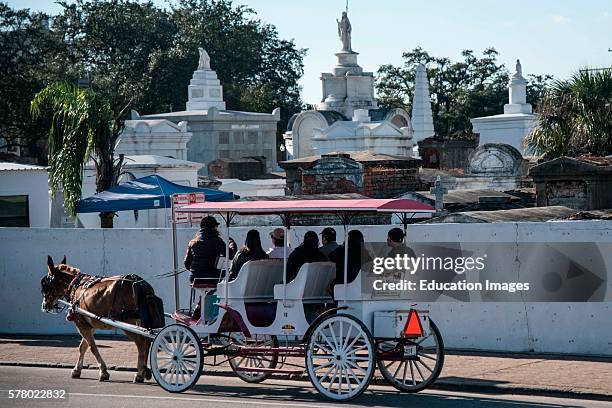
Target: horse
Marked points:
109	297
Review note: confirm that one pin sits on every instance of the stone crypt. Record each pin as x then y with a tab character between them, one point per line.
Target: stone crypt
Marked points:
347	117
215	131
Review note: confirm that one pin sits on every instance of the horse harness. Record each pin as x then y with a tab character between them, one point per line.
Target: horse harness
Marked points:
85	281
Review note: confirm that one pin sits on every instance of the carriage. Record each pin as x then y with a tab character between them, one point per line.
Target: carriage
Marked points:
263	325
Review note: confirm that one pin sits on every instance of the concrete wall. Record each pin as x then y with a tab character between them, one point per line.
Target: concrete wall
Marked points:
573	328
34	184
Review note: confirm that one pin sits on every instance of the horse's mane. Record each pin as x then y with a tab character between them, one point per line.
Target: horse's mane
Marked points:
68	269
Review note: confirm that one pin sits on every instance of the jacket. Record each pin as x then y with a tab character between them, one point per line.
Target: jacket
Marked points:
202	255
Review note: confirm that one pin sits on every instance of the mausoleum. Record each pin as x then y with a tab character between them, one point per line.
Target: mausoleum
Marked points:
348	118
515	123
209	130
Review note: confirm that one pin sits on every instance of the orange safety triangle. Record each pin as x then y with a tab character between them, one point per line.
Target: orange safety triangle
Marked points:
413	326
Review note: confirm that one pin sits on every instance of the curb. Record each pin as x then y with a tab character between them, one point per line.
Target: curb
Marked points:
443	384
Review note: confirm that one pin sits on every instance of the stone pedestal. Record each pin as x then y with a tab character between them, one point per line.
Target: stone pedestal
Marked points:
205	91
347	87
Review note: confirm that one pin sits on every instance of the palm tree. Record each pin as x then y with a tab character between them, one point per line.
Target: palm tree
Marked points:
575	117
83	127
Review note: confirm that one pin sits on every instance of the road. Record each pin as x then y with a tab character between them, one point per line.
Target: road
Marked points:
228	392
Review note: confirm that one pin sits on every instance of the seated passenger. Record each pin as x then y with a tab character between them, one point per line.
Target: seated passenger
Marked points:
204	251
357	256
395	240
328	241
278	242
251	251
306	252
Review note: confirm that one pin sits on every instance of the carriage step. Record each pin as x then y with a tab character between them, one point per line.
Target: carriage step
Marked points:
268	370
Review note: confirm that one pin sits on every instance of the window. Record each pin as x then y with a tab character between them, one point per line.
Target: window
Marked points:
238	137
252	137
14	211
224	137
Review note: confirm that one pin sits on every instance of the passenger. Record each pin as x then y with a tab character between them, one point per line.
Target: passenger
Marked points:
204	251
251	251
278	242
357	256
308	251
395	240
328	241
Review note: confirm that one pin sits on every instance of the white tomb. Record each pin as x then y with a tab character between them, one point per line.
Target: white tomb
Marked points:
360	134
154	137
422	118
348	117
515	123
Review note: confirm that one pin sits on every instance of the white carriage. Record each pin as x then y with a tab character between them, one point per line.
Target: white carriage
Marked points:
266	325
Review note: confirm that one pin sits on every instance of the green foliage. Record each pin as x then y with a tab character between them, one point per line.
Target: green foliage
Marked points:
82	126
136	51
474	87
575	117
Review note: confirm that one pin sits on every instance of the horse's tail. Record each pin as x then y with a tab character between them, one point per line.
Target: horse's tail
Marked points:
150	306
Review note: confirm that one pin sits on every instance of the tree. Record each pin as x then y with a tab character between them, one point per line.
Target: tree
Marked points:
83	126
28	58
131	50
459	90
575	116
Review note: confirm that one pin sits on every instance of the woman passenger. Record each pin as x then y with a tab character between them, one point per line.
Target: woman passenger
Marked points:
308	251
251	251
357	256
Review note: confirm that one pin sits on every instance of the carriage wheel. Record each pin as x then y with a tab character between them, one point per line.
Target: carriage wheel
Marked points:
267	360
340	357
412	373
176	358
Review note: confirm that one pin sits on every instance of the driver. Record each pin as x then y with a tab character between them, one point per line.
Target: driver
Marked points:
204	251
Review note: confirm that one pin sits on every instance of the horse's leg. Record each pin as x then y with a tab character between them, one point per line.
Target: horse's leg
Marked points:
76	371
140	364
147	347
89	336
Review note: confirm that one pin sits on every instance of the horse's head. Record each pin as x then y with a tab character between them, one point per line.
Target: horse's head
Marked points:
54	284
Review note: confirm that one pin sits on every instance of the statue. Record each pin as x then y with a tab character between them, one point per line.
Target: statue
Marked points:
204	63
519	69
344	32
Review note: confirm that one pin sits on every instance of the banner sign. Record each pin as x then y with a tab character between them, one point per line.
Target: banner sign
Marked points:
183	199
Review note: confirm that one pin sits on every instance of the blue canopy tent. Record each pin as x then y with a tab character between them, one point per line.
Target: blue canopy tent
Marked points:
145	193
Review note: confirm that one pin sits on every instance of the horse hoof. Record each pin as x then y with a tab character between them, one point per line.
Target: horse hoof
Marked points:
138	379
104	376
147	373
76	374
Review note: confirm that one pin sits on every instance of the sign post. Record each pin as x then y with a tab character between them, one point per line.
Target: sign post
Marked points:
180	201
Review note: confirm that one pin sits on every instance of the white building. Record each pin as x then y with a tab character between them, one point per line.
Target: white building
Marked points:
515	123
24	196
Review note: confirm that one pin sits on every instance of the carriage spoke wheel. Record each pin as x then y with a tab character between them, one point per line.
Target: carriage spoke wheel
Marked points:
176	358
254	361
340	357
412	373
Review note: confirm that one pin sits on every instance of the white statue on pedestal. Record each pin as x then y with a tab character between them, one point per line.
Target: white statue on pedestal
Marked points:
519	69
344	32
204	63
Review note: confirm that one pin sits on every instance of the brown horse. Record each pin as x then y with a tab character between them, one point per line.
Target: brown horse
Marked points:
112	296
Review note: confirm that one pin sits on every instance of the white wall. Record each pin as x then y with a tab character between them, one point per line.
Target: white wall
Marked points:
34	184
575	328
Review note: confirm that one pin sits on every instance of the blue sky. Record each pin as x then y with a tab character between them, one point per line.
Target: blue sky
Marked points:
555	37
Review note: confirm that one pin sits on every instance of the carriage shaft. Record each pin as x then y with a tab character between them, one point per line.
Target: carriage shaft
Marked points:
132	328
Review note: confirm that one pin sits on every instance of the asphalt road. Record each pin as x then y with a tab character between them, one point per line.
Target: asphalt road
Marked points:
230	392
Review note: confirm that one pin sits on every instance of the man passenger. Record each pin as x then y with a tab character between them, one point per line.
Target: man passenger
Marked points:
328	241
278	242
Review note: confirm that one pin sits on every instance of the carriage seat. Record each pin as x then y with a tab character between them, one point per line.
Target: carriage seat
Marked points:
311	283
353	290
255	281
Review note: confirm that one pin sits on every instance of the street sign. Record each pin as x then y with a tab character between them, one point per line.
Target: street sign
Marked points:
183	199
